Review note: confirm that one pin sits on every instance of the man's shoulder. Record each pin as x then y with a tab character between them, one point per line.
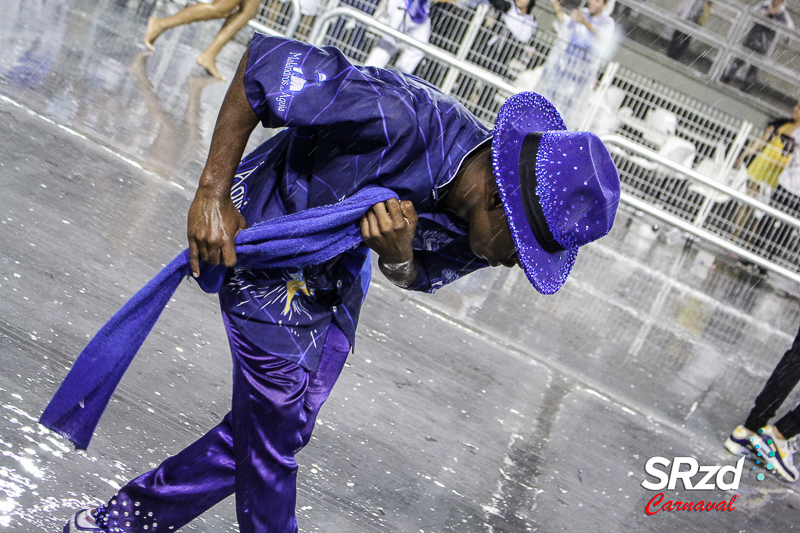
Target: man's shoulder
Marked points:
423	102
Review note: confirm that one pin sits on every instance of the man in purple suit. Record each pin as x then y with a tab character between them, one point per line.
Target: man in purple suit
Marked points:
526	193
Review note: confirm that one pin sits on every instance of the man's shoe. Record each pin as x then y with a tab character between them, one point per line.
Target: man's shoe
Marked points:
779	453
84	520
741	442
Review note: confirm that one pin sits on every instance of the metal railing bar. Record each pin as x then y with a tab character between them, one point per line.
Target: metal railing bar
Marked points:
466	43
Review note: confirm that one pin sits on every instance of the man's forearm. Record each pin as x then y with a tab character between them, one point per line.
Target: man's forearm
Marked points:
213	220
235	122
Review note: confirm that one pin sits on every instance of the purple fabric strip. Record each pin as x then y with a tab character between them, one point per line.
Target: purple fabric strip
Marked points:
305	238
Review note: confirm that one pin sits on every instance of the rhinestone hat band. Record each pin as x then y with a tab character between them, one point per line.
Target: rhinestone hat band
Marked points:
530	199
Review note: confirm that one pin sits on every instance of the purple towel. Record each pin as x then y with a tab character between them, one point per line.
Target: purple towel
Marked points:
305	238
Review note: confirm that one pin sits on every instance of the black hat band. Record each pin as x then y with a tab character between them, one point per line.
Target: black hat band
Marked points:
530	199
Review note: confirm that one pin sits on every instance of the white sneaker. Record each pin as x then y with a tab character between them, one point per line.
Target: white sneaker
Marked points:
82	521
779	453
740	442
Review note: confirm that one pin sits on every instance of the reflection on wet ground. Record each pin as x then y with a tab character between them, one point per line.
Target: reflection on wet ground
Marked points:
82	64
484	408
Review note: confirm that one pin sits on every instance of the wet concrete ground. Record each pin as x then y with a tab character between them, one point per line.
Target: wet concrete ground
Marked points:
486	407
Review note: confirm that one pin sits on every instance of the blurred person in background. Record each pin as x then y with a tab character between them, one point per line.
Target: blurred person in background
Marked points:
696	11
758	39
504	41
773	177
585	39
411	17
774	236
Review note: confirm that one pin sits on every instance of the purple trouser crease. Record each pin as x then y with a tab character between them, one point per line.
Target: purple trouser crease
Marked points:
245	453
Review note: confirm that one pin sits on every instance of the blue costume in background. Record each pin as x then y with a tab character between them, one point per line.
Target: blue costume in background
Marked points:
290	329
573	63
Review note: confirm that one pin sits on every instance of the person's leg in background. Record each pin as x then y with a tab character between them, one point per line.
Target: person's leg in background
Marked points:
236	12
678	45
410	57
308	12
750	78
756	429
381	53
235	22
217	10
784	378
730	71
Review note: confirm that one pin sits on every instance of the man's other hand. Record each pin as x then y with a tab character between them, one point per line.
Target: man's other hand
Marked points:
388	228
213	225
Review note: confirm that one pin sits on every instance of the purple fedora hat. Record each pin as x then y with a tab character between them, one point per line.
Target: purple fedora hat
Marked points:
560	189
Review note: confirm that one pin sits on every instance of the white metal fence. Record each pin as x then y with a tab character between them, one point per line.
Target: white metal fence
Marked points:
647	24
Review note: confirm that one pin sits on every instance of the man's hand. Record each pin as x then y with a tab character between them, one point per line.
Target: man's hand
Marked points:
213	225
388	228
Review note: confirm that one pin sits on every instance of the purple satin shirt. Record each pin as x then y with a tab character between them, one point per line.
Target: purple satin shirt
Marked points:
346	127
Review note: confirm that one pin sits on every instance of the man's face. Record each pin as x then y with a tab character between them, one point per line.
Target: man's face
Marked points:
489	234
490	237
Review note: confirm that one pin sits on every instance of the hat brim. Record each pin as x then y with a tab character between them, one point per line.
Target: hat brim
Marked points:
522	114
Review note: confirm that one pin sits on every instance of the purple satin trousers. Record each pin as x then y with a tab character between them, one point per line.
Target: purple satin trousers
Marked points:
250	453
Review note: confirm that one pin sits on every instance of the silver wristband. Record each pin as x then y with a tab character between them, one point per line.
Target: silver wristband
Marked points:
401	274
